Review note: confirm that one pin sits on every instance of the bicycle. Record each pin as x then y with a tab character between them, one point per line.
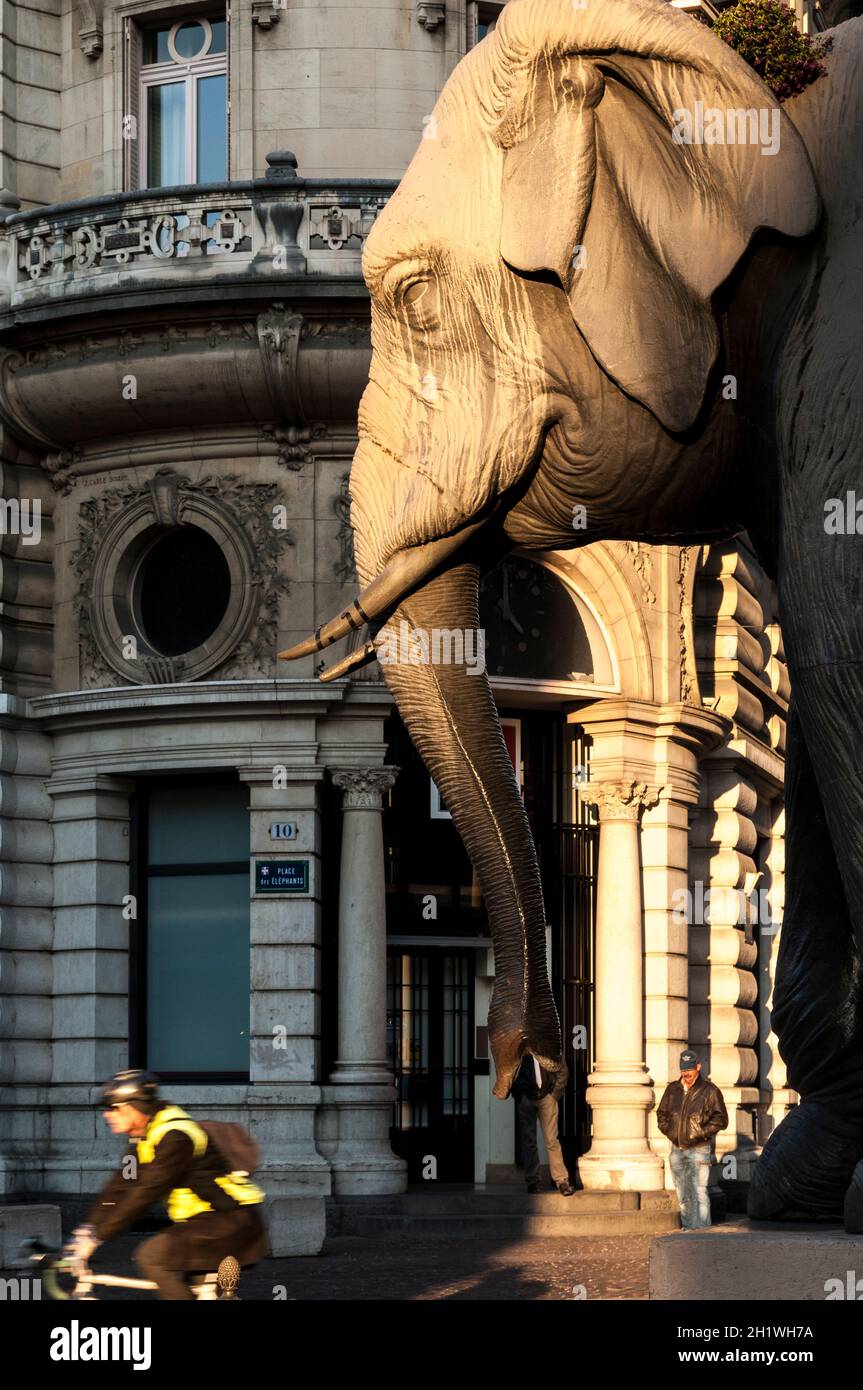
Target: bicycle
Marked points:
55	1265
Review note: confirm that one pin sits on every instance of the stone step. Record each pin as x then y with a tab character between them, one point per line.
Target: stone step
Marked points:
502	1211
497	1225
518	1203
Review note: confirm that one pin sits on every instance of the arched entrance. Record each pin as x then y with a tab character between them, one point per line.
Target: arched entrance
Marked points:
545	650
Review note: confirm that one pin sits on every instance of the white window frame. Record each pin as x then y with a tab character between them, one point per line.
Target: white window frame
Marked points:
189	72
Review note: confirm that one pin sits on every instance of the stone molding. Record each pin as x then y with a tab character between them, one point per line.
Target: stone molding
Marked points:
363	787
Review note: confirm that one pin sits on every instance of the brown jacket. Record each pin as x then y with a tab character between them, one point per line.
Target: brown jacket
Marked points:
691	1117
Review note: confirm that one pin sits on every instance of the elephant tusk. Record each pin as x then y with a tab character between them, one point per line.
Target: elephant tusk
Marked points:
350	620
352	662
402	574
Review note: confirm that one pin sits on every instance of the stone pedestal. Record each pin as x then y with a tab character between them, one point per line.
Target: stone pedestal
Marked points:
749	1263
620	1091
353	1130
29	1221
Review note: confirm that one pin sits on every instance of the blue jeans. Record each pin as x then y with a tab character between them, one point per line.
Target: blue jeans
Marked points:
690	1169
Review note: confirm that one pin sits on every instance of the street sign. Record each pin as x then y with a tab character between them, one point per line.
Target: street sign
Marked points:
281	875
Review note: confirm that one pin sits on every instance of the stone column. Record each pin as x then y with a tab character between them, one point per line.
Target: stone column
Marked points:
620	1090
362	1054
354	1134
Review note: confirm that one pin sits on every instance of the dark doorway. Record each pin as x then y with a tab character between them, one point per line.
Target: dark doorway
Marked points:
555	759
429	1047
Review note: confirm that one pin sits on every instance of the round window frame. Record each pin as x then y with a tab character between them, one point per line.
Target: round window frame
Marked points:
113	598
181	24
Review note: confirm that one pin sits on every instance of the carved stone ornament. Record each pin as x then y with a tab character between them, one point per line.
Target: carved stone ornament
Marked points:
620	800
689	692
156	236
642	563
431	14
266	13
294	443
345	568
279	333
335	227
90	27
364	787
117	527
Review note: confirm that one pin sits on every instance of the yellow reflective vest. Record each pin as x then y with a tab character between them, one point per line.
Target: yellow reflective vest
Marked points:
182	1202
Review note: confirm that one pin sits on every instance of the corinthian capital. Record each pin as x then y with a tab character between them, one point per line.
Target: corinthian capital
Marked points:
364	787
620	800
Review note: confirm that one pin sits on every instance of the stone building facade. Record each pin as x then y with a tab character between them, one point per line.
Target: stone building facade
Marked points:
210	864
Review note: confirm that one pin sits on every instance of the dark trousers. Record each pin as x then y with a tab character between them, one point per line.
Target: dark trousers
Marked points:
200	1245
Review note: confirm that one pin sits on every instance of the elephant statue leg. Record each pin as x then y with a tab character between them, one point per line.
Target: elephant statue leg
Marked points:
808	1162
451	717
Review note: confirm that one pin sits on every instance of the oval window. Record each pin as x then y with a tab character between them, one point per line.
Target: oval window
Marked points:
183	587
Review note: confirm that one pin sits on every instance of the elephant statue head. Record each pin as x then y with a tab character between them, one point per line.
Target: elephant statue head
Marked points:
546	338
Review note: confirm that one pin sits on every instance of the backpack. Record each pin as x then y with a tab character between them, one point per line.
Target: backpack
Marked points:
234	1145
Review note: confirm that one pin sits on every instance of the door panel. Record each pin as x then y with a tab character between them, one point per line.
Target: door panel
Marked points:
429	1036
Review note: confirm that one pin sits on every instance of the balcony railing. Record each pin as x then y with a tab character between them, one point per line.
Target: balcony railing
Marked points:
276	228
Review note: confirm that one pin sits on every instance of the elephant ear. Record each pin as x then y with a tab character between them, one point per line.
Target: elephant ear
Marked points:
641	229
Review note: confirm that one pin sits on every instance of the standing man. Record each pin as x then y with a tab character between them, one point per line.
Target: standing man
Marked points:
537	1093
690	1114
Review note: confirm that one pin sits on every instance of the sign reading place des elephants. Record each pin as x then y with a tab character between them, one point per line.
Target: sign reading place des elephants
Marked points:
281	875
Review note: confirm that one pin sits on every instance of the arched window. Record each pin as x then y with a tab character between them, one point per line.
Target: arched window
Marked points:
533	629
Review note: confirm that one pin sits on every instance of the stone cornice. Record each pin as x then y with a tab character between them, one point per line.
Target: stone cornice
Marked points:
201	699
691	725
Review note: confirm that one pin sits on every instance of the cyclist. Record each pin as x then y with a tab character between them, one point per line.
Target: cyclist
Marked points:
215	1212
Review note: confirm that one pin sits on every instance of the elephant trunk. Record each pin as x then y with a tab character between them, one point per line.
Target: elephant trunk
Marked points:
451	717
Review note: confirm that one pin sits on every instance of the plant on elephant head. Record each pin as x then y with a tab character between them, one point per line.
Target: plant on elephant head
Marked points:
765	33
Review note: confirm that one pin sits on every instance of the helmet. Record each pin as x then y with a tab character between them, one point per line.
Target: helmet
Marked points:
131	1087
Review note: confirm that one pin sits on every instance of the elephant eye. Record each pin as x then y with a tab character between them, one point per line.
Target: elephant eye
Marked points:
415	292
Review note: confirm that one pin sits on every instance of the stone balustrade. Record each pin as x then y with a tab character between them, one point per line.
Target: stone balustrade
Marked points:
276	228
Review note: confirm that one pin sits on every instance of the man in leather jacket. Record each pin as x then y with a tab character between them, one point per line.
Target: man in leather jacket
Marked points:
690	1114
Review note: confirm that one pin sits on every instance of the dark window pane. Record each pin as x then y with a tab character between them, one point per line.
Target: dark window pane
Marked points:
182	590
220	36
198	973
212	129
195	825
156	46
166	135
190	39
